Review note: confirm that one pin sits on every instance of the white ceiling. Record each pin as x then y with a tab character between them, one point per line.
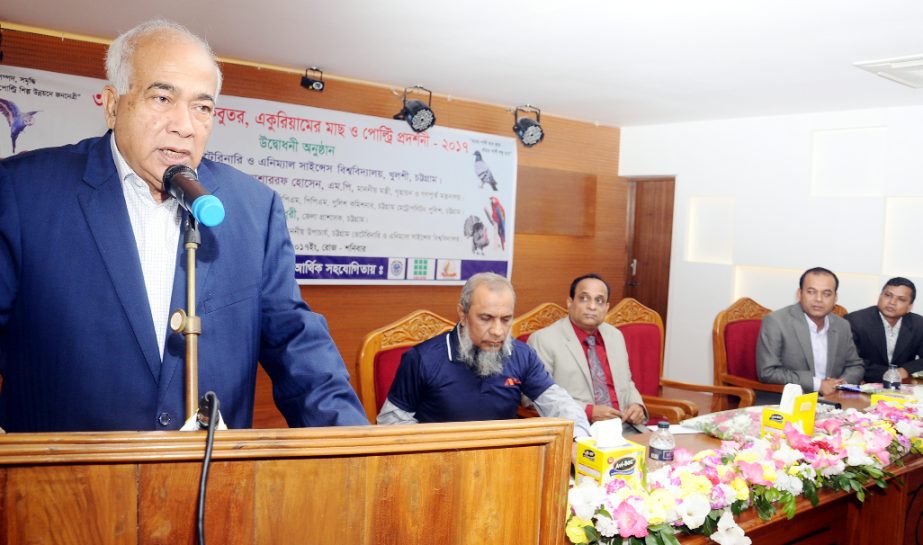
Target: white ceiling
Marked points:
615	62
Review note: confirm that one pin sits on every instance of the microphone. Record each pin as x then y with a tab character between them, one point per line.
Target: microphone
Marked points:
181	183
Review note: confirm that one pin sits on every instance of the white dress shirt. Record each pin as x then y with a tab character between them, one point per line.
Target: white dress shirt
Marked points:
819	349
156	227
891	333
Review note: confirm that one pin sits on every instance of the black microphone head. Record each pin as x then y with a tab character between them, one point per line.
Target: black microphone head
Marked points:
173	171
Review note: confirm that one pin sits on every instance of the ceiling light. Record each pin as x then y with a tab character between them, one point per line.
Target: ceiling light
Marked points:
418	115
527	129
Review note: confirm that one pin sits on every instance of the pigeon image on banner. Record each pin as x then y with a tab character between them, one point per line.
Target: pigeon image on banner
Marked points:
483	171
480	238
496	215
18	121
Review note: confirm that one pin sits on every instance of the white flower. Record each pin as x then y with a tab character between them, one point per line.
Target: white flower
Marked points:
787	455
804	471
788	483
835	469
909	428
693	509
606	526
585	498
729	533
856	456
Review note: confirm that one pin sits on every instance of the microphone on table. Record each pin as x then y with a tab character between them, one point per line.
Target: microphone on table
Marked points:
182	183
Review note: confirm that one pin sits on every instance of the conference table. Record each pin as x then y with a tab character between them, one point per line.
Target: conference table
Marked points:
888	516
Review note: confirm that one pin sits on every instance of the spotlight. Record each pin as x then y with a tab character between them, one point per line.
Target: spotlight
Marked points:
313	81
527	129
418	115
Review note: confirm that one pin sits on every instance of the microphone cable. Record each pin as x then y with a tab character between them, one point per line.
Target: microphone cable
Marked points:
209	404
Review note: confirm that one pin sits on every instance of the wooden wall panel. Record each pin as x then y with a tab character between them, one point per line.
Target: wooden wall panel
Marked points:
544	263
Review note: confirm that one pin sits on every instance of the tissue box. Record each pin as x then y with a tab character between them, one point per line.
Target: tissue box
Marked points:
605	465
897	399
802	415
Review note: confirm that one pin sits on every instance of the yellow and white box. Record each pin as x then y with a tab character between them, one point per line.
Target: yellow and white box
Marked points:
605	465
803	408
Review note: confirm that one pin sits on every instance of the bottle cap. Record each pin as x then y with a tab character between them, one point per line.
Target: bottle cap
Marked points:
663	424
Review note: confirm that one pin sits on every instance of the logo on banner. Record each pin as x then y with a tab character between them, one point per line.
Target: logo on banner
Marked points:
396	267
421	269
448	269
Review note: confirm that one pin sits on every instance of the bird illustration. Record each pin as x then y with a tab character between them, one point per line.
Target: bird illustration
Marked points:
483	172
480	238
497	217
18	121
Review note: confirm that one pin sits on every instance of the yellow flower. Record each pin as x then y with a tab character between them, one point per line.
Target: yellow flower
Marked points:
916	444
575	532
703	454
658	504
740	487
769	472
723	471
690	483
746	456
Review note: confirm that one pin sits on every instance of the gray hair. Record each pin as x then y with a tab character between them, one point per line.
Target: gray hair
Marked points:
493	282
119	57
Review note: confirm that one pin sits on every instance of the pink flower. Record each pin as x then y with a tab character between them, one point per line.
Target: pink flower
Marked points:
681	457
631	523
831	425
753	472
797	439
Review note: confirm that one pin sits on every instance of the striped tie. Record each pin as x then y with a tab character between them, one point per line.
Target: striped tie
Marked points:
600	386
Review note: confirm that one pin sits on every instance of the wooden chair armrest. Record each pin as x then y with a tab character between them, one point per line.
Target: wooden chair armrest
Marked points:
752	384
745	395
689	408
670	413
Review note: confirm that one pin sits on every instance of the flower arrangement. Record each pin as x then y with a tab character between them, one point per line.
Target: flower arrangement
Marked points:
702	492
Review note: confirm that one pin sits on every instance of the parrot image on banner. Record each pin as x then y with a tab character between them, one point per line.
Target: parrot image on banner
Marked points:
480	238
18	121
497	217
483	172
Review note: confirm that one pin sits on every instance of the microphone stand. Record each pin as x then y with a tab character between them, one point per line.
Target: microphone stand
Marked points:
190	325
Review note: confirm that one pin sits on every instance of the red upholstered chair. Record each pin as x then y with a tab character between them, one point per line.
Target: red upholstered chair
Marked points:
840	310
381	351
642	328
734	336
539	317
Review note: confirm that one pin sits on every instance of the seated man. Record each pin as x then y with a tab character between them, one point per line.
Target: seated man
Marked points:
599	380
889	333
477	371
805	343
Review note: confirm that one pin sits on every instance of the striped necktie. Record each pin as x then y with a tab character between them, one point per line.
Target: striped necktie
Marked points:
600	385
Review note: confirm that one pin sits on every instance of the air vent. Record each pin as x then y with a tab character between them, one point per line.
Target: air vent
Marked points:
904	70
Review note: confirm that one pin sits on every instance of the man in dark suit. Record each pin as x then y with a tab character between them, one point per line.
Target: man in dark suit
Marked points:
91	263
889	332
806	343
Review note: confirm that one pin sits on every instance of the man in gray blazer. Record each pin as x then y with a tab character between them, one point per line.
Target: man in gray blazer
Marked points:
806	343
564	347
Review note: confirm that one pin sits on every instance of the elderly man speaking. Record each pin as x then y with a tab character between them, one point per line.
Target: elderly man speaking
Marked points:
476	371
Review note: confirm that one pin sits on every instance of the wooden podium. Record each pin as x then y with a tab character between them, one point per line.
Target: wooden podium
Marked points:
467	483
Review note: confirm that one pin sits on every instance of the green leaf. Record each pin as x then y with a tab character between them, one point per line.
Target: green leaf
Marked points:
670	538
592	533
788	505
810	492
651	539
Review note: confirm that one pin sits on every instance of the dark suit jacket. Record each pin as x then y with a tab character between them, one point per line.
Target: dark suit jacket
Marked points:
77	344
784	354
869	335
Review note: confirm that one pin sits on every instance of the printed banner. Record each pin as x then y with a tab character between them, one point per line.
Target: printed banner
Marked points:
367	200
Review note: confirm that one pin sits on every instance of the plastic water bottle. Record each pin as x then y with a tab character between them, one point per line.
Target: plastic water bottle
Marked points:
660	448
892	378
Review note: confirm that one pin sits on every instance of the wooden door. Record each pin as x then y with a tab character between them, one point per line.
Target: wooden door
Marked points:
650	232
